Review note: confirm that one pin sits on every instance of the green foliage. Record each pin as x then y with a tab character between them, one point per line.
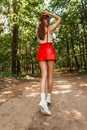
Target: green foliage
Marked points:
5	53
25	15
72	46
70	42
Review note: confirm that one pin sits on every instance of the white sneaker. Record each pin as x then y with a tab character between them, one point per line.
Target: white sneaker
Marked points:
43	105
46	112
48	101
44	109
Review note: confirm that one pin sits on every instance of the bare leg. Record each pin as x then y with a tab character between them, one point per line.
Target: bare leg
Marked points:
43	103
50	80
43	66
50	75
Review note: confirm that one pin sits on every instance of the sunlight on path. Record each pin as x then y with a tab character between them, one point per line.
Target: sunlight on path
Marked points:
21	112
71	104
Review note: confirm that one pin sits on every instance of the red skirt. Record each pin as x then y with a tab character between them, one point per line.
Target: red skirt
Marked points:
46	52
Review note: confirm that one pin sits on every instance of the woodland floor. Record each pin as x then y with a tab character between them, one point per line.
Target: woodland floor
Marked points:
19	100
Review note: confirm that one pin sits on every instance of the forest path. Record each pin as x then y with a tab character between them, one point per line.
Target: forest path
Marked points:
19	104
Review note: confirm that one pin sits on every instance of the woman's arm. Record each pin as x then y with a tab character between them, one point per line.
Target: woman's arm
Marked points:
58	20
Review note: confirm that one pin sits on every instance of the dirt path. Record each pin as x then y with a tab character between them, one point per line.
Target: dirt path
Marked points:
19	105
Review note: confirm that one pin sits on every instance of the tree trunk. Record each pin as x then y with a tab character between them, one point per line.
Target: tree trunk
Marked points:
15	59
84	31
14	49
74	54
68	55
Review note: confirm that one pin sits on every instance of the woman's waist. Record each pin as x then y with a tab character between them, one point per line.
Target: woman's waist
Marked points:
45	43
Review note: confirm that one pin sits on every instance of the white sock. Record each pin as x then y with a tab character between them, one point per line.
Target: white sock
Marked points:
49	96
43	97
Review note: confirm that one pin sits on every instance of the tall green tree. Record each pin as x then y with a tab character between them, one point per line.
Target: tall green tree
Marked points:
72	33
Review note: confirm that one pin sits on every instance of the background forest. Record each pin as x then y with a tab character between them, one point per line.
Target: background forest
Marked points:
18	41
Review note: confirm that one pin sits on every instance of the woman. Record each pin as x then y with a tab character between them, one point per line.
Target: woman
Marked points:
46	57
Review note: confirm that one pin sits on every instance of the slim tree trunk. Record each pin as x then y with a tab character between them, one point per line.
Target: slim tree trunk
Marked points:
15	59
73	50
14	49
68	55
83	22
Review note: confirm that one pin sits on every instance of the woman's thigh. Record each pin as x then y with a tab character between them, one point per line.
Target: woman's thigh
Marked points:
43	67
50	69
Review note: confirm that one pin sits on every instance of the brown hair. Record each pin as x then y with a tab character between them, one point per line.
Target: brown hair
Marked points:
41	28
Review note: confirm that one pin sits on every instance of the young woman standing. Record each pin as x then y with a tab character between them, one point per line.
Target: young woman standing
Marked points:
46	57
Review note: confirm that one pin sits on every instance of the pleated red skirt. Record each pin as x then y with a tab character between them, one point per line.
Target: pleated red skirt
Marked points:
46	52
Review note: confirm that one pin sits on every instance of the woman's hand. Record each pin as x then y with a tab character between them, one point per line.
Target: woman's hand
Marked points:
58	19
45	13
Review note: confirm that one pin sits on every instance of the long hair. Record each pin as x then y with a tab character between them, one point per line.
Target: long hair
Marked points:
41	29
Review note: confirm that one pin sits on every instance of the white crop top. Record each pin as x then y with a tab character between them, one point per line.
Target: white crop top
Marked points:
48	38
